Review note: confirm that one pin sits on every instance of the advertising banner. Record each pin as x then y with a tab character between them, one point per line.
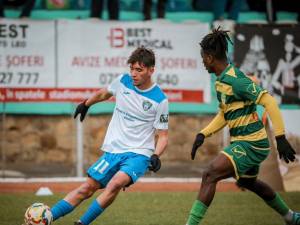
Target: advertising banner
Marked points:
272	53
27	54
92	54
70	60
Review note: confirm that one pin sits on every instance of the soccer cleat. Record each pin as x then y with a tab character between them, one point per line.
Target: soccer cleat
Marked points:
78	223
295	219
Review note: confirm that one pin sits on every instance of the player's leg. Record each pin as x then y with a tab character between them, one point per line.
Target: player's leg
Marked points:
147	4
219	169
113	9
96	9
161	9
83	192
1	9
74	198
99	174
132	166
119	180
271	198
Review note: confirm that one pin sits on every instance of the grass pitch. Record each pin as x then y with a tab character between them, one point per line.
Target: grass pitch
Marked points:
238	208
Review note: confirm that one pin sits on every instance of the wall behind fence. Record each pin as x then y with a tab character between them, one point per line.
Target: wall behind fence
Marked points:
39	145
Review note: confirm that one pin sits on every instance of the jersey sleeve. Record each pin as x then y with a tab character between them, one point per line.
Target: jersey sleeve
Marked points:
247	89
114	85
215	125
162	116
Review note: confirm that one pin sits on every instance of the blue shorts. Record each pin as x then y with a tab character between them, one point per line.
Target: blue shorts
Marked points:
134	165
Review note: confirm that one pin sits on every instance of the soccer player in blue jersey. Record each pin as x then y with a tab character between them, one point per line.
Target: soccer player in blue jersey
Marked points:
249	146
141	111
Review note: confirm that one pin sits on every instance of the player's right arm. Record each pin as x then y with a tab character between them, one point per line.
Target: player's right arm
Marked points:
100	96
214	126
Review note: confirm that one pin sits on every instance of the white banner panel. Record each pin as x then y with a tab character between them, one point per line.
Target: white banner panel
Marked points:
27	53
91	54
292	122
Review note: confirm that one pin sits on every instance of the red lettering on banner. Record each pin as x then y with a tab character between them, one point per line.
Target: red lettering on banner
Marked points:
24	60
178	63
115	61
87	61
117	38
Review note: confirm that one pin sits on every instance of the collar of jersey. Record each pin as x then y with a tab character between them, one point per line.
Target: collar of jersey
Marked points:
145	90
224	72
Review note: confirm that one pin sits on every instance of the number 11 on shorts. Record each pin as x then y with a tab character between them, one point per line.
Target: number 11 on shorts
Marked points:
101	166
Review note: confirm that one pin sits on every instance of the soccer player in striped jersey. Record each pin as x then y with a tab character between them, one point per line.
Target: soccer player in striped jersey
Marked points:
249	146
141	111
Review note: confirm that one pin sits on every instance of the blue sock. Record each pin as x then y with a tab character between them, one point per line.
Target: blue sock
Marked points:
92	213
61	208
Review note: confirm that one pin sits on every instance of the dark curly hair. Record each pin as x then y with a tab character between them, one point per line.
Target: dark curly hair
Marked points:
216	43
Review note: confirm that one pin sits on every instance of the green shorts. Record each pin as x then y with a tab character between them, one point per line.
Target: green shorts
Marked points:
246	157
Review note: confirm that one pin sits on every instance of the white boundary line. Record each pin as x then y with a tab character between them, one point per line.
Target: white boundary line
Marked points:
82	179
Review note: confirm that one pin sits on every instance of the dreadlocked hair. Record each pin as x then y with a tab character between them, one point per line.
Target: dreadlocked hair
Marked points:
215	43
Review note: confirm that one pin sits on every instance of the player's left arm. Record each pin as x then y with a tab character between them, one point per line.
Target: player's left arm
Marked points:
161	126
161	145
284	148
248	90
271	106
214	126
162	142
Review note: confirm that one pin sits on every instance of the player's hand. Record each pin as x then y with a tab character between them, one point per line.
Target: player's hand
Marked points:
285	150
155	163
82	110
197	143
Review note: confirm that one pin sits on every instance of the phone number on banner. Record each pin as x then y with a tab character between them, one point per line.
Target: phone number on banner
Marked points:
160	79
19	78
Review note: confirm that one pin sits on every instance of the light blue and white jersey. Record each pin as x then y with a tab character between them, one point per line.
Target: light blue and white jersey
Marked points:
137	114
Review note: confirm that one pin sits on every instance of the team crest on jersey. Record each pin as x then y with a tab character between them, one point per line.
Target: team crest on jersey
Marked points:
146	105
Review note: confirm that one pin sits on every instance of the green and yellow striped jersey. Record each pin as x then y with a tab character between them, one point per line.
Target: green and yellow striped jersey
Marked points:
238	96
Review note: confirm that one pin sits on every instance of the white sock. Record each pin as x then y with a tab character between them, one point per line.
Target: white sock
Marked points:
289	216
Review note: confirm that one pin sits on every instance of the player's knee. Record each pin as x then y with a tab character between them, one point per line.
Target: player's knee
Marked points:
114	186
210	175
86	190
